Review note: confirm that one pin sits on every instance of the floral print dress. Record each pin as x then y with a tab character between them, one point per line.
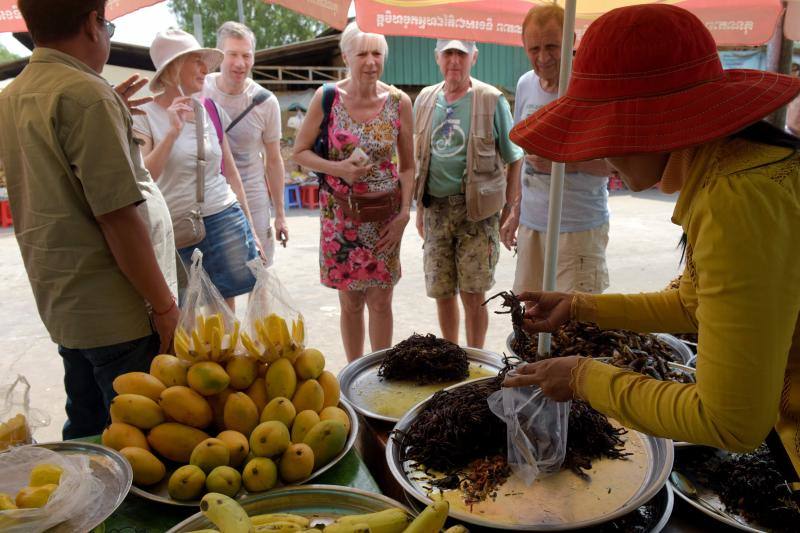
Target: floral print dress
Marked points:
347	258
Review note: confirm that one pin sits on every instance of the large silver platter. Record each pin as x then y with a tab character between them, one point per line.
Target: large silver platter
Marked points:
558	502
682	352
385	400
320	503
159	492
739	522
110	468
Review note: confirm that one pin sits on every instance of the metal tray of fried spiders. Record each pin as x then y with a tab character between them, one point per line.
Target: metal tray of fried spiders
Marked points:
558	502
388	400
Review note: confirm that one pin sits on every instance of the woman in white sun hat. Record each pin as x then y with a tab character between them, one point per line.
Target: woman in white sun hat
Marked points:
169	140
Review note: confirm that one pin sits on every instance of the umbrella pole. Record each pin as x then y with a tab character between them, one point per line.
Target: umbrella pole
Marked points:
557	175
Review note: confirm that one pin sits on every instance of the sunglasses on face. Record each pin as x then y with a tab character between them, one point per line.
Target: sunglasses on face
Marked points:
110	26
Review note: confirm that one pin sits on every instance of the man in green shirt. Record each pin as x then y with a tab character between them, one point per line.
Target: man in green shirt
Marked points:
467	180
76	184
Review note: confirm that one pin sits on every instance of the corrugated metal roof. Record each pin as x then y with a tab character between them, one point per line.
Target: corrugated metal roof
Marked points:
411	62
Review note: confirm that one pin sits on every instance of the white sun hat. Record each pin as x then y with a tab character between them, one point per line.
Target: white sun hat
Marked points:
173	43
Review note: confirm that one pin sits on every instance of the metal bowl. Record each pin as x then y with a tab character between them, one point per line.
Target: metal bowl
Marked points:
159	492
681	351
616	488
320	503
385	400
110	468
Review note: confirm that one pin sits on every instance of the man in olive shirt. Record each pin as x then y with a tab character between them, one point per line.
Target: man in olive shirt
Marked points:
75	180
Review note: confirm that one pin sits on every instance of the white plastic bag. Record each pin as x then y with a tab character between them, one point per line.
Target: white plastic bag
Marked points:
207	328
76	491
273	327
18	420
536	430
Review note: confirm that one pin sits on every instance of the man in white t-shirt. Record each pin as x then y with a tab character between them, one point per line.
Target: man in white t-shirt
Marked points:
584	216
256	139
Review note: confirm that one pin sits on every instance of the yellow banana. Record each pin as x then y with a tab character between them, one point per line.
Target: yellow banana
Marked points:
387	521
213	322
180	333
280	517
248	344
271	353
234	336
431	519
182	350
204	531
261	331
338	527
225	513
279	527
216	344
299	330
200	349
200	326
458	528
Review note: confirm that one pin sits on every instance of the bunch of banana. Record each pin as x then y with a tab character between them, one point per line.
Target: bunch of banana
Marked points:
225	513
273	340
208	340
386	521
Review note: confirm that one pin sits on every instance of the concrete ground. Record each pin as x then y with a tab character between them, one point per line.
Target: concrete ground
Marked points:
642	256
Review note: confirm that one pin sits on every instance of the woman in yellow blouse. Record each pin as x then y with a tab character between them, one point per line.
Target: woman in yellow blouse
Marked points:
649	94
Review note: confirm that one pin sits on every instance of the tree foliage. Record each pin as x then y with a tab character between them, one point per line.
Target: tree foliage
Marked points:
6	56
273	25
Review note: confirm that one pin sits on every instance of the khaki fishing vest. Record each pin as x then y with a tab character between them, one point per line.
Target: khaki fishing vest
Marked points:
485	181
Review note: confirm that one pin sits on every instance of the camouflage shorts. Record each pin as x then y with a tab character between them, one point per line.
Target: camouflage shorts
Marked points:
459	255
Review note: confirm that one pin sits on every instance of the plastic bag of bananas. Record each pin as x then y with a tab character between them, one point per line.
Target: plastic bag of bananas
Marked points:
207	328
273	327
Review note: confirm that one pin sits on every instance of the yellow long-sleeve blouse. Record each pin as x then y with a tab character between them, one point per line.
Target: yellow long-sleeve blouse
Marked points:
740	209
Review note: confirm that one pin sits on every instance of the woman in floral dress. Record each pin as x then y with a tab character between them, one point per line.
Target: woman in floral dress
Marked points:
361	259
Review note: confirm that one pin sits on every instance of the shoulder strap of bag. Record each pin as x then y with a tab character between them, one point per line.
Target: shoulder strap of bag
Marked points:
216	120
199	122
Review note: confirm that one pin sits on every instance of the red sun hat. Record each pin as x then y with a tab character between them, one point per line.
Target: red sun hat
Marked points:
646	79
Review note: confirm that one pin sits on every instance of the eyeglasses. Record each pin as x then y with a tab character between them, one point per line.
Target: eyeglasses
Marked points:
110	26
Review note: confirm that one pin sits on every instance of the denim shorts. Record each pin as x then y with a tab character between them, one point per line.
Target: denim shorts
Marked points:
227	247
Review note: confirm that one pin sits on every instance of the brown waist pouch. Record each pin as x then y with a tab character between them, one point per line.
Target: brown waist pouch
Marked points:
369	206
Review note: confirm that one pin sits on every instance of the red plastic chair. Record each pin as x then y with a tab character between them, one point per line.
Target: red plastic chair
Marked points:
309	196
5	214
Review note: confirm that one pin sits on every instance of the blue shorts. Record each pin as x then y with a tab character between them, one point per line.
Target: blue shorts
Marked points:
228	245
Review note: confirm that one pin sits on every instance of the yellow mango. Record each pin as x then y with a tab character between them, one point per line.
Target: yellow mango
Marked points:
136	410
258	393
238	446
34	497
207	378
269	439
210	454
260	474
336	413
120	435
225	480
147	469
169	370
304	421
185	406
330	387
138	383
326	440
45	474
297	463
309	395
217	403
280	409
309	364
240	413
175	441
186	483
242	370
281	379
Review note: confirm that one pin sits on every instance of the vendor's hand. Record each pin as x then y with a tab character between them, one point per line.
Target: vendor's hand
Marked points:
392	233
352	169
165	325
545	311
539	164
178	112
130	87
508	227
421	220
281	230
552	375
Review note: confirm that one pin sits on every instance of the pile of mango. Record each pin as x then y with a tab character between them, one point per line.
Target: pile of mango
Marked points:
228	423
44	480
14	431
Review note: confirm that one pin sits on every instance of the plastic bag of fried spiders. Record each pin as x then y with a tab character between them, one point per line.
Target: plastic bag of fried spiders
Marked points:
273	327
207	328
536	430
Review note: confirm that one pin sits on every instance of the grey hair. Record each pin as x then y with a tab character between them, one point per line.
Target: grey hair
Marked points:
351	36
236	30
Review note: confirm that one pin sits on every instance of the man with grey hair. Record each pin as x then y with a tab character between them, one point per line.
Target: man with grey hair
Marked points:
466	181
255	140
